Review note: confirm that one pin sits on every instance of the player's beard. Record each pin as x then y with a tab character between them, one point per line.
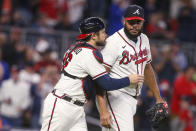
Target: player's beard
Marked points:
100	42
129	35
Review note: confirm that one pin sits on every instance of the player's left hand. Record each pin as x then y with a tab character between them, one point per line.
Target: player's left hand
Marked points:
157	114
105	119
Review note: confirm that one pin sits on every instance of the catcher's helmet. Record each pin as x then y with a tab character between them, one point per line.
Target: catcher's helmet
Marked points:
90	25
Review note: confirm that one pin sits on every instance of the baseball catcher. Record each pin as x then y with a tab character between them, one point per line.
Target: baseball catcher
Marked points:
157	114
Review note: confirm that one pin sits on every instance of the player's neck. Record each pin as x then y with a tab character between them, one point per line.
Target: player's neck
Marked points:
93	43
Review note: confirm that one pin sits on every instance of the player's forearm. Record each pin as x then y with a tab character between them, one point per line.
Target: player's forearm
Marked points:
108	83
151	82
102	103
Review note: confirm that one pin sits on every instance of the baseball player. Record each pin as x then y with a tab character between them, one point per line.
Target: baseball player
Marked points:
63	108
127	51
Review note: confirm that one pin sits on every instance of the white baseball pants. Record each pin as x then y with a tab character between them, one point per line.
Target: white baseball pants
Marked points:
122	107
61	115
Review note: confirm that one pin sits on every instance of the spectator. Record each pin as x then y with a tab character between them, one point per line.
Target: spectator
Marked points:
49	78
158	27
45	61
51	8
116	11
156	56
185	115
5	19
64	23
4	69
30	56
165	88
187	19
15	98
183	85
3	39
36	107
40	90
178	56
5	14
28	74
18	19
96	8
163	6
76	8
150	7
41	23
165	66
42	45
176	5
13	50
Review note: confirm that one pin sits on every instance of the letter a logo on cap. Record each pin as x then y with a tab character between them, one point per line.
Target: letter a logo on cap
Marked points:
136	12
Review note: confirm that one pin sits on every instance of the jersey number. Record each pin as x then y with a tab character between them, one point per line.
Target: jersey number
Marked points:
67	58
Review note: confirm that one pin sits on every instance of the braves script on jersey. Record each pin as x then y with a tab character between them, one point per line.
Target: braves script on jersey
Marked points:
126	57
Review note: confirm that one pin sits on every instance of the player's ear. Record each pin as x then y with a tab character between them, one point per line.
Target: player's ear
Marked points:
94	36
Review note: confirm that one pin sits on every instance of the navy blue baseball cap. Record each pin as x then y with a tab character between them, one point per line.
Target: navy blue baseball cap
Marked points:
134	12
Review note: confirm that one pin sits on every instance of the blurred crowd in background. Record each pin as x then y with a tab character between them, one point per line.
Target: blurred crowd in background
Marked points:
29	70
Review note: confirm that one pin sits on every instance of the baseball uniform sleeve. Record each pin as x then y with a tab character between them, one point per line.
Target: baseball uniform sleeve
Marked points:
110	52
109	84
98	73
149	59
93	67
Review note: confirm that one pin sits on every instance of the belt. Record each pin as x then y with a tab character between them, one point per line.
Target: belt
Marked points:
69	99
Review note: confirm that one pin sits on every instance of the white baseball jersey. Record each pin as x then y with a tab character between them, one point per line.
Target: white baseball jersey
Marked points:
59	114
81	62
126	57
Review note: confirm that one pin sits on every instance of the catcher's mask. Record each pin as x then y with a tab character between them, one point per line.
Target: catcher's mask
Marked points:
89	26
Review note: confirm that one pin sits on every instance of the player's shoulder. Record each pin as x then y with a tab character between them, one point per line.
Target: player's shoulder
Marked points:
144	36
94	55
91	52
114	38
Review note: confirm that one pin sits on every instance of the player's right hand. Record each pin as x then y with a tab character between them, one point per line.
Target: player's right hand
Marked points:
135	79
105	119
